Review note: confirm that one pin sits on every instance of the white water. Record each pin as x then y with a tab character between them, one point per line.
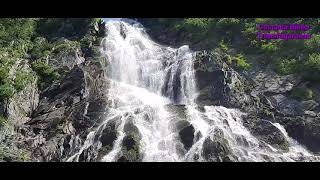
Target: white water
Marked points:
145	77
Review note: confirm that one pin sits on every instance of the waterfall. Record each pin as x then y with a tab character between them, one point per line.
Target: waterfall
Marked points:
152	92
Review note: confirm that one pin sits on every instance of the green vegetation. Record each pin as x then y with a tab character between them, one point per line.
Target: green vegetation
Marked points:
313	44
3	121
301	93
66	46
312	68
299	57
6	91
70	28
241	62
286	66
14	155
32	42
22	80
223	46
41	48
46	73
37	39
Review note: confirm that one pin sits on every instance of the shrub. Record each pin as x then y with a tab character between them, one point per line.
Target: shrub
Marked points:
86	42
22	80
286	66
313	43
198	23
241	62
313	62
66	46
301	93
41	48
74	28
3	121
270	47
46	73
227	22
4	74
223	46
263	20
6	91
311	69
250	33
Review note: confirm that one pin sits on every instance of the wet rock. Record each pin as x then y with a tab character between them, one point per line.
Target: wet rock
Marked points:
265	131
109	133
178	111
186	134
216	148
218	84
102	152
130	151
88	155
70	107
131	129
306	130
286	105
309	105
129	156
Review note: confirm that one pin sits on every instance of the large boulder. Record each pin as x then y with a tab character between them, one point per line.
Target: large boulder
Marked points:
109	133
216	148
219	84
186	133
130	150
305	129
265	131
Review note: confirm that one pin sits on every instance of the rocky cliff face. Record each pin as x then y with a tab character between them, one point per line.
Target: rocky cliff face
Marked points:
52	124
264	96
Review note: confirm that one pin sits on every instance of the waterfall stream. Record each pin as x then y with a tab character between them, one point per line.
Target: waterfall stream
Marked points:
152	92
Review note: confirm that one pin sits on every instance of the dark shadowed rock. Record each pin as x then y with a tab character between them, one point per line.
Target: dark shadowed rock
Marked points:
306	130
265	131
109	133
186	135
216	148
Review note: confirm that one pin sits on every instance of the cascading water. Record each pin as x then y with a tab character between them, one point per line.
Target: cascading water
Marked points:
147	82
